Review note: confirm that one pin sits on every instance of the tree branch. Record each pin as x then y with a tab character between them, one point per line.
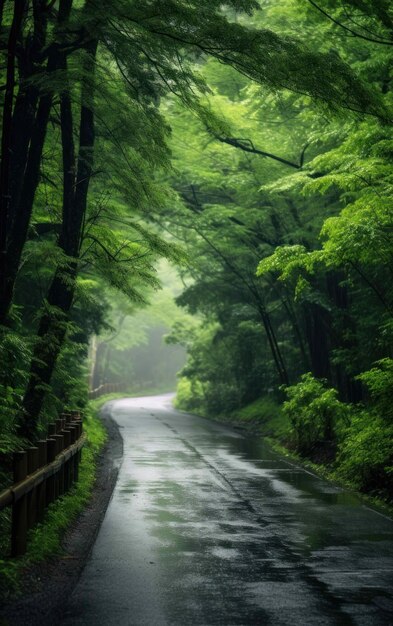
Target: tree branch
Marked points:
384	42
247	146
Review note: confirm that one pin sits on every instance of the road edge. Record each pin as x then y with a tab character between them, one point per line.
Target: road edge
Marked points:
47	586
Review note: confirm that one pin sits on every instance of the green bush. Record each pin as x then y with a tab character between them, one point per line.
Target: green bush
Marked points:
222	398
315	414
189	395
206	398
265	415
379	382
365	455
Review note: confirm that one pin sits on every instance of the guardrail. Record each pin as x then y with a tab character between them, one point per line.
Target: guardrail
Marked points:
41	474
105	388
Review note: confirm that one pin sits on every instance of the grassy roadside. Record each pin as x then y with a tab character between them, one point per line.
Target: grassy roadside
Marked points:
329	473
265	418
45	539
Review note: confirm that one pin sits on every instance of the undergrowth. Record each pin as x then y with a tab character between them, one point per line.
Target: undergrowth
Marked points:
45	539
347	444
264	415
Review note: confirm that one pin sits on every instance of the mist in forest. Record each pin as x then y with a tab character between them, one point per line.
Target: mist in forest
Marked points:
134	351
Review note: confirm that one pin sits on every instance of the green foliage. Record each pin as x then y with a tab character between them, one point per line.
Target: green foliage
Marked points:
189	395
264	416
263	409
258	136
286	262
365	454
267	182
15	351
224	369
45	538
379	382
315	414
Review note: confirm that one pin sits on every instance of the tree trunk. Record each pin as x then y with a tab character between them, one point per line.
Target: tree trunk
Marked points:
53	325
15	30
24	189
21	222
317	320
92	358
274	347
350	389
26	102
51	334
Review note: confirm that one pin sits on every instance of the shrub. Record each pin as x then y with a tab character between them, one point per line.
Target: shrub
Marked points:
189	395
365	456
222	398
315	413
379	382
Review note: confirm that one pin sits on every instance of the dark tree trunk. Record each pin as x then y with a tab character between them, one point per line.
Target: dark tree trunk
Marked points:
317	324
350	389
23	123
51	334
22	217
26	102
6	137
292	318
274	347
53	326
27	160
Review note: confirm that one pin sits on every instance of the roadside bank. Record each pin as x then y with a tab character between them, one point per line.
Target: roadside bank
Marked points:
40	583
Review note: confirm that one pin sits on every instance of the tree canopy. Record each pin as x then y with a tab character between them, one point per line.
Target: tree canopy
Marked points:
249	144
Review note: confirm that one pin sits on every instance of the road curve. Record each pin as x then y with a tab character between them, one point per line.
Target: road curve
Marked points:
208	527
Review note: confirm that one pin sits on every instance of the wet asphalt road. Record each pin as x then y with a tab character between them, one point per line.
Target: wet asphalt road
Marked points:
208	527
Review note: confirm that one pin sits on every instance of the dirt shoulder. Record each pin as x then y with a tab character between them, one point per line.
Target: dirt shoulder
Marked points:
46	587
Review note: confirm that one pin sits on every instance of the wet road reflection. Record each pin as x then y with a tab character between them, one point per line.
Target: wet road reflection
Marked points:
208	527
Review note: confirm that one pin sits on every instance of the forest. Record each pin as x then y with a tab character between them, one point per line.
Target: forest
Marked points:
231	165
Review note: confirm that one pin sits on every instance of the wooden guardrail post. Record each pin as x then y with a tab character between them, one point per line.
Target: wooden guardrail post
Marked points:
67	417
32	466
71	462
40	475
78	425
67	442
41	489
19	509
51	480
59	482
80	433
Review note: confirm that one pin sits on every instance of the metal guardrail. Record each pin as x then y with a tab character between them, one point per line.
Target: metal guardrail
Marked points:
41	474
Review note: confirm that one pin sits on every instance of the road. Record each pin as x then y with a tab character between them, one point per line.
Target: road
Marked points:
208	527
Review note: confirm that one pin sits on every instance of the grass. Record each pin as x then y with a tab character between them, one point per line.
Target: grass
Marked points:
265	415
45	539
266	418
330	473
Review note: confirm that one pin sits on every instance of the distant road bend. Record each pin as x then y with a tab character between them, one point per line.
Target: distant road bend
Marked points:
209	527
